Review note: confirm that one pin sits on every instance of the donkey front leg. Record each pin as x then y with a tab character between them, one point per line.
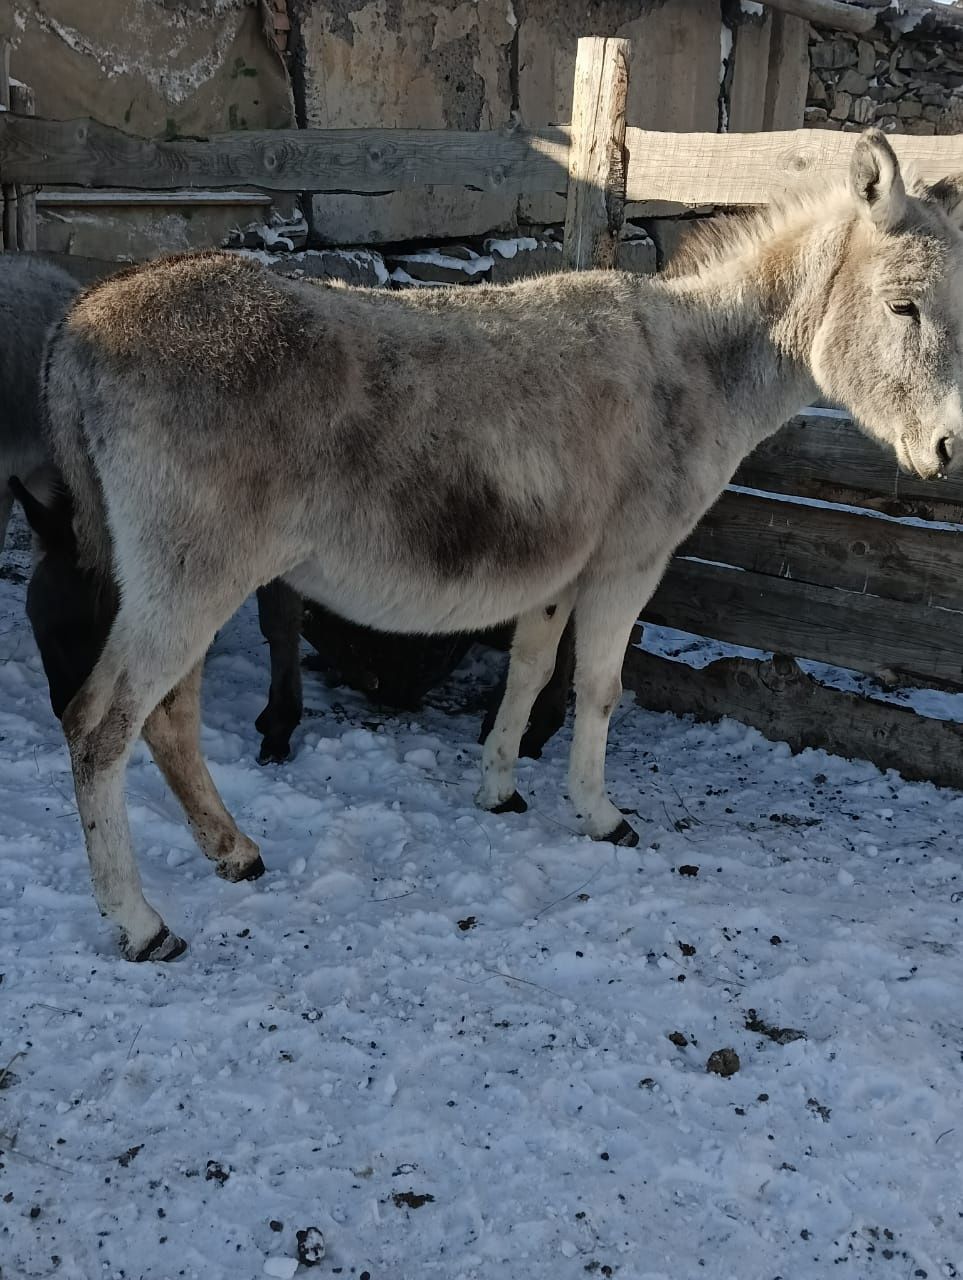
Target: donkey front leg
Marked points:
605	613
279	612
172	731
532	662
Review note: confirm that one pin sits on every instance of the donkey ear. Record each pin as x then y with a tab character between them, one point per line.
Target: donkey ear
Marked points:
876	181
948	194
53	525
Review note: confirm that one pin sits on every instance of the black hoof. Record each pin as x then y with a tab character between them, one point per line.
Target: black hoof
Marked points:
514	804
164	946
274	753
623	834
531	750
235	874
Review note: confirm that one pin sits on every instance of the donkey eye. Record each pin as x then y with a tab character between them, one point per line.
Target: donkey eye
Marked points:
904	308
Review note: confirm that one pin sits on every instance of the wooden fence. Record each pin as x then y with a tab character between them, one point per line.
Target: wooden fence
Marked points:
874	583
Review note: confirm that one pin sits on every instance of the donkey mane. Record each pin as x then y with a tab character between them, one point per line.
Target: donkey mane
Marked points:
724	238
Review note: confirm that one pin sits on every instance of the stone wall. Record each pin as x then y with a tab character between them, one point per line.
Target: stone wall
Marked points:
910	83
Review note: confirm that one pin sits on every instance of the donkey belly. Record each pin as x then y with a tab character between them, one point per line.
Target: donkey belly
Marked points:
392	598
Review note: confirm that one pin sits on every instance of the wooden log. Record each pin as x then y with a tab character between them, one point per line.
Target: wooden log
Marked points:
595	205
786	705
827	456
843	628
787	78
828	13
832	547
8	220
366	161
23	103
749	169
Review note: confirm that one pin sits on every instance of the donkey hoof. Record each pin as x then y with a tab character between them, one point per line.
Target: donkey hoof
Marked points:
624	835
274	752
163	946
514	804
231	871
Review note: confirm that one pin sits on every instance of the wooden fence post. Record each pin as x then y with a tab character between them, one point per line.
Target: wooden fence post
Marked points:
22	102
8	208
594	209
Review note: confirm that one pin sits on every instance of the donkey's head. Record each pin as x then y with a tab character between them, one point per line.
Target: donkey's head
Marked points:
70	609
890	343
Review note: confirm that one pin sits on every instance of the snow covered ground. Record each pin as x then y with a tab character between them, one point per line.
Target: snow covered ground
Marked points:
443	1037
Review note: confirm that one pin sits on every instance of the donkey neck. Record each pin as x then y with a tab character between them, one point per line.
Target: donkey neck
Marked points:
753	317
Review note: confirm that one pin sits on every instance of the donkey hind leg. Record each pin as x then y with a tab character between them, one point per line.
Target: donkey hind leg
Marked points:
604	616
172	731
530	666
142	661
279	611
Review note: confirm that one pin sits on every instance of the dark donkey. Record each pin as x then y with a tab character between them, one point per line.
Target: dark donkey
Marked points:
393	670
33	296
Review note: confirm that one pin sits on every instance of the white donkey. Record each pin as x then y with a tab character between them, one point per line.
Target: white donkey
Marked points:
457	459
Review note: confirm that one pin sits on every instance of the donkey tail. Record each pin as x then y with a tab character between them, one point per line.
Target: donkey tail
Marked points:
67	399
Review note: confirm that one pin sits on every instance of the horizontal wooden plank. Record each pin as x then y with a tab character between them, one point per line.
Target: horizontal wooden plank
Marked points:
750	168
866	633
87	154
831	547
787	705
821	456
828	13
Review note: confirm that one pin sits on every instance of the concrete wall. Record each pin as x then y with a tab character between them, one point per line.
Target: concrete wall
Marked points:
153	67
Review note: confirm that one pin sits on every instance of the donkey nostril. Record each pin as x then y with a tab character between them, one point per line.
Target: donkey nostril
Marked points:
943	450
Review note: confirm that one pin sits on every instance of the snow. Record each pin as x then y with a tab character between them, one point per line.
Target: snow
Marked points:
439	1037
509	248
472	265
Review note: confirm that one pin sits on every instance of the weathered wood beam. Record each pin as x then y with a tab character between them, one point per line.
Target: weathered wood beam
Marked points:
595	206
844	628
786	705
8	206
365	161
832	547
753	168
23	103
828	13
821	456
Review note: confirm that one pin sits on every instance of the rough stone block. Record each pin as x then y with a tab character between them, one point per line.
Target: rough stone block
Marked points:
863	110
909	109
841	106
852	82
428	213
866	58
817	91
640	256
834	54
526	256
